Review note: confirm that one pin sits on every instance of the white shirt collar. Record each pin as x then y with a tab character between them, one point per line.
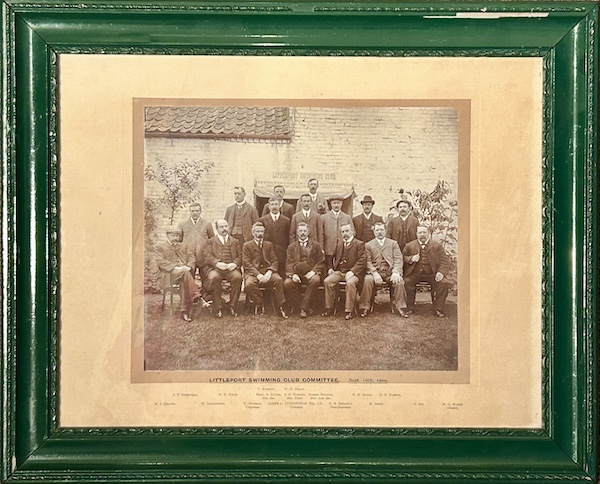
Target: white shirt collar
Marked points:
275	217
380	242
367	216
222	239
404	218
306	213
240	204
349	240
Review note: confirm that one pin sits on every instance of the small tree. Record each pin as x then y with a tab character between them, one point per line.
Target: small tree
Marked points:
179	180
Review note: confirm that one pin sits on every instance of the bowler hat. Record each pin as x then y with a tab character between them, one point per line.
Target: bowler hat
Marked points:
336	197
367	199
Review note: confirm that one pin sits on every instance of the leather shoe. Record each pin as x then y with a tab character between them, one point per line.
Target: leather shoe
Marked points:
439	314
185	316
327	312
348	316
232	311
259	310
219	314
408	312
283	314
363	313
402	313
303	314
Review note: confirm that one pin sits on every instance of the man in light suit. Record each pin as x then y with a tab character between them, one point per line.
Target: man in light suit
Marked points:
384	266
305	265
332	224
196	232
277	231
260	269
175	263
308	216
317	202
348	264
403	228
364	222
223	258
285	208
426	261
240	217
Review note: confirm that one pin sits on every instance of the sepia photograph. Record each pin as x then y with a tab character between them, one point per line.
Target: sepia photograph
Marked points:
288	238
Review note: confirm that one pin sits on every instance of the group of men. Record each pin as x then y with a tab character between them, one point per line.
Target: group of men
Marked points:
291	251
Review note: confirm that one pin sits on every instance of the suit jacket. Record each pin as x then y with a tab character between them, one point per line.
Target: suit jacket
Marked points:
196	235
277	233
315	205
390	253
249	217
286	209
251	258
315	226
356	257
168	257
213	251
364	226
331	230
315	261
401	231
438	259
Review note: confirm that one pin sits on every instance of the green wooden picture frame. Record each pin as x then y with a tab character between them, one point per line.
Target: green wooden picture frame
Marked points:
34	445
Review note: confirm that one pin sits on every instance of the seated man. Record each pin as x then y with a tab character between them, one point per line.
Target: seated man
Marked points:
426	261
175	263
260	269
348	264
384	266
304	265
223	258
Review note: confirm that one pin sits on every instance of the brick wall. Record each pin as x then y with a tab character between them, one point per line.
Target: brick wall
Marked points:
375	150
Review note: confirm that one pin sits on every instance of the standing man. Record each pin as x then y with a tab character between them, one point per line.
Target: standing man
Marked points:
403	228
175	263
241	216
426	261
223	258
308	216
384	266
196	232
332	224
260	269
305	264
364	222
277	231
317	202
284	208
349	263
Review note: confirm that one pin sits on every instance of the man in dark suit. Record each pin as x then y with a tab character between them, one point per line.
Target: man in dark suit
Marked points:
285	208
223	258
403	228
241	216
308	216
196	232
305	265
348	264
260	269
277	231
426	261
317	202
332	224
175	263
364	222
384	266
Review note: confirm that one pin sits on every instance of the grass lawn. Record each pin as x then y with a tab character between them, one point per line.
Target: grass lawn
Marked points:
381	341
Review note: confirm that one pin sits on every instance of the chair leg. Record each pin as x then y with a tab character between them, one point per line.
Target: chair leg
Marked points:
162	306
171	299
